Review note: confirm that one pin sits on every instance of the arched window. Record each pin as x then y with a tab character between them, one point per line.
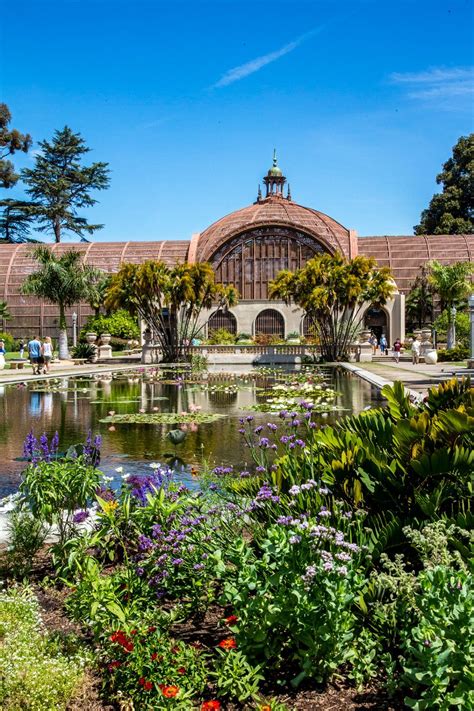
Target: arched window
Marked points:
376	319
251	260
270	322
222	319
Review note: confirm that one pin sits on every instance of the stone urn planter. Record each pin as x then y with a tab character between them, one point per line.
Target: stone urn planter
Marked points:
105	339
294	341
431	356
91	337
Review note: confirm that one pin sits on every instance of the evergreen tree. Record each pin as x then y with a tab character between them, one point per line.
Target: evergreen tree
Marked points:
60	185
419	302
15	220
11	141
451	212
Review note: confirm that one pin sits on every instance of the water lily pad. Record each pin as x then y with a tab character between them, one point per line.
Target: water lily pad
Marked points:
162	418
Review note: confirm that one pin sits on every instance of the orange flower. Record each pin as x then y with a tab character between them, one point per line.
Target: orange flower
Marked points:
169	691
213	705
228	643
231	620
265	707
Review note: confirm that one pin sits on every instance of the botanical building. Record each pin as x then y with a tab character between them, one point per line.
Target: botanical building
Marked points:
247	248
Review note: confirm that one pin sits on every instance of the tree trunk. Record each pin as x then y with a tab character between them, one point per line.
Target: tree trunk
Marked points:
451	338
63	345
57	233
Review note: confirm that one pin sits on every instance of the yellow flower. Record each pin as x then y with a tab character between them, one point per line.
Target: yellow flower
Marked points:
109	506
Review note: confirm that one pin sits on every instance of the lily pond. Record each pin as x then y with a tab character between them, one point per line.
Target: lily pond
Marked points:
135	412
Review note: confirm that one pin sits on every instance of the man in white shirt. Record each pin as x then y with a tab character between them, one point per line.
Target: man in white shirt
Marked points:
415	351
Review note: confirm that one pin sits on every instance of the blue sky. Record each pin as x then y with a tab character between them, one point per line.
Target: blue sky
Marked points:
186	100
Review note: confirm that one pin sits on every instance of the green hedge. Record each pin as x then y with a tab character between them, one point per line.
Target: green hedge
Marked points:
119	324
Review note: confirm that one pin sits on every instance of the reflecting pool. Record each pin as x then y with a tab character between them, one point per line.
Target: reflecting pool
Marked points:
73	406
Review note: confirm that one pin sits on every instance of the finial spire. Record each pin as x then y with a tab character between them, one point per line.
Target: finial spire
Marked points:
259	193
275	162
288	195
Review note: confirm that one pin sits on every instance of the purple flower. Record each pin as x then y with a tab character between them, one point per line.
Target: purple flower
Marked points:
271	426
30	446
283	414
177	561
264	442
249	418
144	543
213	487
285	439
258	429
140	572
54	443
294	539
241	431
260	470
300	443
284	520
80	516
244	475
295	423
198	566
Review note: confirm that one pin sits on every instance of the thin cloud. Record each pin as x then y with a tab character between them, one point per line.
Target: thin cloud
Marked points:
434	76
254	65
438	83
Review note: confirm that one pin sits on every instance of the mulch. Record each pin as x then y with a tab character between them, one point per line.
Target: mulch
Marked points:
208	631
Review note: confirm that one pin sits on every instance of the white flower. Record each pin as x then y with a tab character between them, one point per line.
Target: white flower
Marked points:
119	470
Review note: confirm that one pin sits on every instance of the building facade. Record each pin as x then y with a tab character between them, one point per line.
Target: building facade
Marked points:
246	248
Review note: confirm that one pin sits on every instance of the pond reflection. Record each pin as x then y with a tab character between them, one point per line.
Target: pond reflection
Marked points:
72	406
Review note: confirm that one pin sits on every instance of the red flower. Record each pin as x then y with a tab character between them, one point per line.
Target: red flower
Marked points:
169	691
181	670
228	643
231	620
142	681
133	632
148	686
114	665
175	649
122	639
213	705
152	629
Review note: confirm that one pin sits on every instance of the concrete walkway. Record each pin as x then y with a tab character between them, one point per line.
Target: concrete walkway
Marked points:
67	370
416	378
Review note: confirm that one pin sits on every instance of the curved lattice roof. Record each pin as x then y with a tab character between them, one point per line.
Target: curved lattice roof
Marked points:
406	254
272	211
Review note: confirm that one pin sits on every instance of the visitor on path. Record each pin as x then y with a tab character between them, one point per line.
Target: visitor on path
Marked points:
374	342
34	352
2	355
383	344
397	347
47	352
21	346
415	351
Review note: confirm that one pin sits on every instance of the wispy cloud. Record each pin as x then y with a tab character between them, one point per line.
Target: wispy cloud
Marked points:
437	83
254	65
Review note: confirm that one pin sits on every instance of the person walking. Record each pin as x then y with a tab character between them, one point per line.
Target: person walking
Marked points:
21	346
383	344
34	352
415	351
397	347
47	352
2	355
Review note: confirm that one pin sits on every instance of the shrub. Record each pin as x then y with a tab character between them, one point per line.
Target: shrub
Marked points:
35	674
27	535
244	337
9	341
293	335
84	350
453	354
119	324
221	336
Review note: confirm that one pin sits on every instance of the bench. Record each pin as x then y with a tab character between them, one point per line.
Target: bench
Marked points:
17	364
80	361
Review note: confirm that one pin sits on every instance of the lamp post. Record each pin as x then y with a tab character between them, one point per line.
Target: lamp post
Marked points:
452	329
470	301
74	329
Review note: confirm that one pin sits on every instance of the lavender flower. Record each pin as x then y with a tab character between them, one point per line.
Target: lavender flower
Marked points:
80	516
294	539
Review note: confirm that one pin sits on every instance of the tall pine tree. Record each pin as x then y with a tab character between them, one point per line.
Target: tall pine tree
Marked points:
11	141
451	212
60	185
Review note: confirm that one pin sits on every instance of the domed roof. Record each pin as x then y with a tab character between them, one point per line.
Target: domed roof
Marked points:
272	211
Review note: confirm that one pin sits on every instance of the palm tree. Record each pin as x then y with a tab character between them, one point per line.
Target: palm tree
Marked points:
452	283
64	281
4	313
98	291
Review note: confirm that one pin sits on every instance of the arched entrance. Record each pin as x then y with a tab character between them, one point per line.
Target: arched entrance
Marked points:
270	322
376	320
222	319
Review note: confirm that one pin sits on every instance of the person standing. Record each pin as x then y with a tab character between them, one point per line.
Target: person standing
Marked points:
415	351
21	346
47	351
397	347
2	355
383	344
34	352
